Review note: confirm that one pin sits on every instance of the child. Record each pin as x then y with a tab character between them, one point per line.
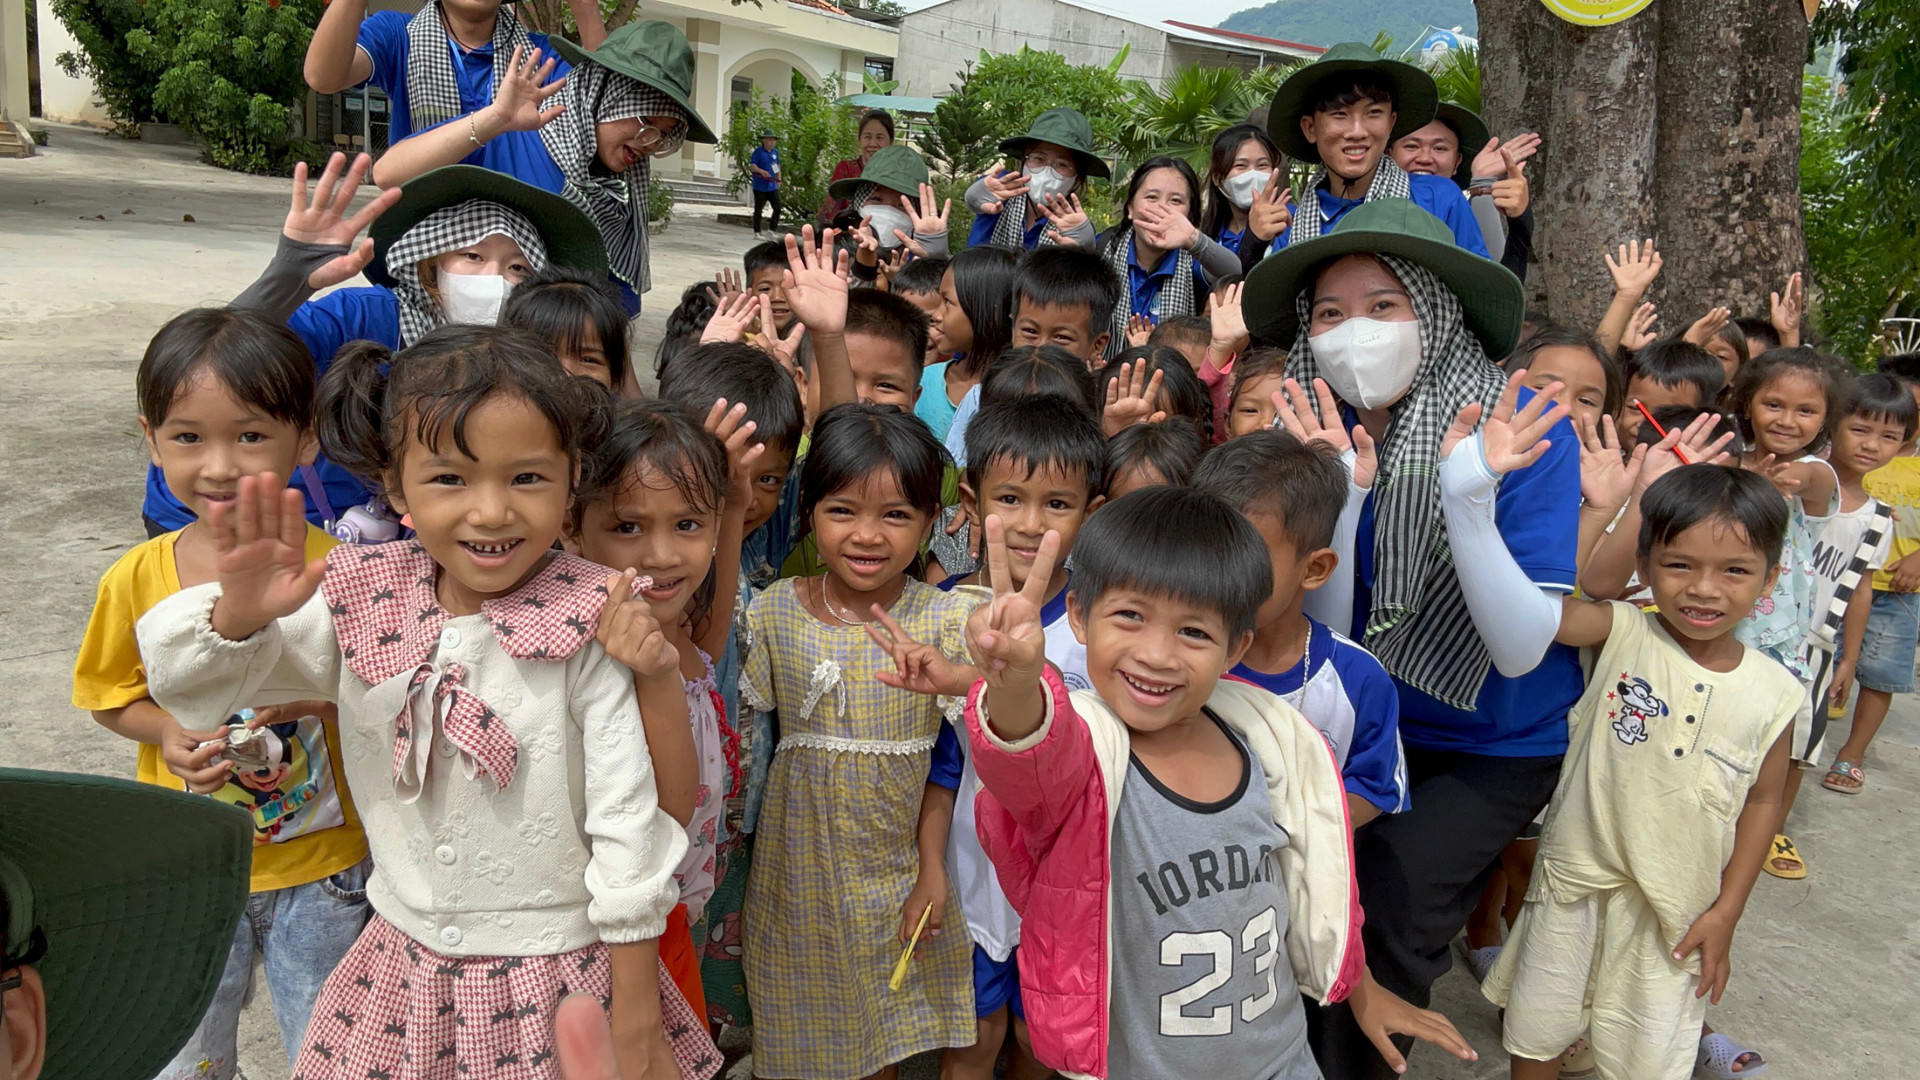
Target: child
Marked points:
1150	455
226	393
1592	385
1293	493
1154	382
579	315
529	839
919	283
684	325
1668	373
1040	203
1156	252
1258	375
766	264
1170	836
1670	790
975	323
851	841
1189	335
1243	163
887	345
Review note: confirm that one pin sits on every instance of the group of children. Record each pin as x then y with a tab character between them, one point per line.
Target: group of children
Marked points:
931	665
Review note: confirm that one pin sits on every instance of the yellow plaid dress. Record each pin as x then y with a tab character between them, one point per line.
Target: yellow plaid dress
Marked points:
834	854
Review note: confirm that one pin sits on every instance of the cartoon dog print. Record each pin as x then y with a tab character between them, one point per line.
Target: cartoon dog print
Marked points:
1637	706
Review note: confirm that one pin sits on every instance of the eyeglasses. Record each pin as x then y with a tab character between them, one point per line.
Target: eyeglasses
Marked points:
650	135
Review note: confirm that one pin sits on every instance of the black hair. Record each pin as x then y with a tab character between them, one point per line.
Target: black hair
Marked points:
983	283
879	116
259	361
1119	233
560	302
1343	91
1755	374
1226	145
1673	362
670	440
1671	417
1904	365
890	318
1027	370
1205	553
763	256
1692	494
685	323
1613	381
1066	277
1254	365
1881	398
1301	484
1172	449
1185	395
1758	333
373	401
1034	433
919	277
1734	336
739	373
853	440
1185	329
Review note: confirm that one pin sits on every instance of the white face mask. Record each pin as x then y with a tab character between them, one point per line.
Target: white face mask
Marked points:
1246	187
885	219
473	299
1045	182
1370	364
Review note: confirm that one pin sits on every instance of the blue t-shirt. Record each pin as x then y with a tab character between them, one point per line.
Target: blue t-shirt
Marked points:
1538	514
383	35
983	225
933	408
1144	285
1352	700
1437	195
1230	239
770	161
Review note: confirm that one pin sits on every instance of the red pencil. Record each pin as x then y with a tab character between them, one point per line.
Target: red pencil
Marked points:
1677	452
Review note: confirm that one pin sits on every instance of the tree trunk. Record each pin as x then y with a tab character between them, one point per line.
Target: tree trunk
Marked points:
1728	166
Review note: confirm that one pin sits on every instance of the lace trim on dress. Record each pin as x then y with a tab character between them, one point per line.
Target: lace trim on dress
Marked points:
855	746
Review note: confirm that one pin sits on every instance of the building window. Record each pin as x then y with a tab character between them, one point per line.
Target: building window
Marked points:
879	69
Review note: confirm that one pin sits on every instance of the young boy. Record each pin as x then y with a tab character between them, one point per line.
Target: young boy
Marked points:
919	283
1672	372
1293	493
887	347
1668	799
766	265
1176	842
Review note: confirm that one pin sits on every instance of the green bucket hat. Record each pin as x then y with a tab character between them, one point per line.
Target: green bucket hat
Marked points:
1414	95
653	53
1062	127
1472	133
123	896
896	168
1491	298
571	237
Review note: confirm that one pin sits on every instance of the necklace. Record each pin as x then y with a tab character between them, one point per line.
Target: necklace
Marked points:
833	609
1306	658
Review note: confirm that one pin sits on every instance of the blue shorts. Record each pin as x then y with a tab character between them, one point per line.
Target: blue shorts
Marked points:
996	983
1886	653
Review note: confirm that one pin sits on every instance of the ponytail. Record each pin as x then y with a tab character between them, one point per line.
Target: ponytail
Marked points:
351	410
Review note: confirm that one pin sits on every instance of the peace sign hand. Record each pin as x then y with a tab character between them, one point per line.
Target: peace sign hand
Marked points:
1509	440
1006	635
1292	411
918	668
323	218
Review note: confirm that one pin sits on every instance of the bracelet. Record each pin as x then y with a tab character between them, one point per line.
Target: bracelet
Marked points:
473	132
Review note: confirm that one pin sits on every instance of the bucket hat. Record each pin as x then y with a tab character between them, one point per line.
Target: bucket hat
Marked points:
770	135
896	168
124	897
654	53
1472	133
1062	127
571	237
1491	298
1414	95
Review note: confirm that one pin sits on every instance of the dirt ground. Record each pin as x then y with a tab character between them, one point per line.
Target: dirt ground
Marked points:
97	250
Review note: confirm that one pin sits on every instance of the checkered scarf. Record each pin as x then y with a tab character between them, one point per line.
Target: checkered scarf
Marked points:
1176	295
433	92
449	229
616	202
1418	624
1389	182
1010	231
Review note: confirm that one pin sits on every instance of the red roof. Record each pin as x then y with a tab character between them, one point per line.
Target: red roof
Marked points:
1246	37
818	5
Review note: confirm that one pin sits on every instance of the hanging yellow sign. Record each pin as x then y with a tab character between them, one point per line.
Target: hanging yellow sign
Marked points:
1596	12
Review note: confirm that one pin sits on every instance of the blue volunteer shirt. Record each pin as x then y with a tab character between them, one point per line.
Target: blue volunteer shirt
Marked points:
1144	285
1064	651
770	161
1230	239
983	225
1437	195
383	35
1538	514
1352	700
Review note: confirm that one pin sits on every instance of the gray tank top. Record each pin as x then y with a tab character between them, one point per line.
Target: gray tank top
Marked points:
1201	982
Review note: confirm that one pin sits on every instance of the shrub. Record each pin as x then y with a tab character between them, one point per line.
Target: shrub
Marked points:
100	27
230	73
816	132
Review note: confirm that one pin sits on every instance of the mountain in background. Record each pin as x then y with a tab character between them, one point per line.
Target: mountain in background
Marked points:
1320	22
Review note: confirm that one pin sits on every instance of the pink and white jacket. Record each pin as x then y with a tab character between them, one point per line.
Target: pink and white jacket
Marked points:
1045	816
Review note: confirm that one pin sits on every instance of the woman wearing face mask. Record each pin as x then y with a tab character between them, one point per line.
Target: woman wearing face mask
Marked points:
1038	201
876	134
624	104
1459	573
1245	161
894	200
1157	252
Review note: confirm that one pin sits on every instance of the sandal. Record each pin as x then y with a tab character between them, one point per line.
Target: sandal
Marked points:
1577	1063
1845	777
1479	961
1784	851
1718	1055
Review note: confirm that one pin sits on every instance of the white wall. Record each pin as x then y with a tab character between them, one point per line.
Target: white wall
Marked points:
936	42
63	97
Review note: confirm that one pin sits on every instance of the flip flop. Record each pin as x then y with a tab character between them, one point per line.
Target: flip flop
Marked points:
1577	1063
1717	1055
1784	850
1479	961
1844	770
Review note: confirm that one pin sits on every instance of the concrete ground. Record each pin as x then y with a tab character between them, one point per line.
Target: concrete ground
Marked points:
95	254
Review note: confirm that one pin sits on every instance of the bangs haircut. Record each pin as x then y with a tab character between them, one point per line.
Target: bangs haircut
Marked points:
1301	485
764	256
1256	364
1068	277
890	318
1186	397
1676	362
1692	494
1226	147
1883	399
1170	448
853	441
1613	381
919	277
1026	370
742	374
1341	92
1755	375
1182	330
559	303
1205	553
257	359
1035	433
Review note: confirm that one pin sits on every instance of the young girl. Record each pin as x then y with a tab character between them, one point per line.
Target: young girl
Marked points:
1171	390
579	315
1149	455
1245	161
520	853
850	845
1157	251
975	323
1039	202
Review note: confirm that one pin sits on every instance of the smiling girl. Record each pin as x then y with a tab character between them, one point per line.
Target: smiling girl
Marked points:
1157	251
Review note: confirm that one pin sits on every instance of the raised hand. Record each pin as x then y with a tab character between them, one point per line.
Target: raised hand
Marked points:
1006	635
1496	158
260	556
1004	184
1784	309
1509	439
1606	476
1064	213
1130	398
735	432
630	633
1635	268
816	281
323	218
1511	194
1269	216
1228	318
728	283
925	221
732	315
1168	230
895	262
1706	326
519	101
1640	330
1139	329
1691	445
917	667
1292	410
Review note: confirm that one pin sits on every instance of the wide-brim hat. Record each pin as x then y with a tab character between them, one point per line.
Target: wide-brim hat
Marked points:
571	237
895	167
1062	127
1414	94
134	891
774	135
1472	133
1491	298
654	53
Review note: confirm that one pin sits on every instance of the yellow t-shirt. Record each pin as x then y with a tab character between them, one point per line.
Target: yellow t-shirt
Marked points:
305	827
1897	483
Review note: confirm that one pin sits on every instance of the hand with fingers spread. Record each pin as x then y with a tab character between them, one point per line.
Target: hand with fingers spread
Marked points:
1606	475
1511	438
889	267
1707	326
1497	157
1006	635
1382	1014
1139	329
260	556
1293	411
1064	213
925	221
323	220
728	283
1635	268
1166	229
519	102
1003	184
917	667
1641	329
736	433
816	281
1228	320
1131	399
732	315
1695	442
630	634
1784	310
1271	213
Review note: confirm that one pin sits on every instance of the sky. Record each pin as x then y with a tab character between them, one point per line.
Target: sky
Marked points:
1198	12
